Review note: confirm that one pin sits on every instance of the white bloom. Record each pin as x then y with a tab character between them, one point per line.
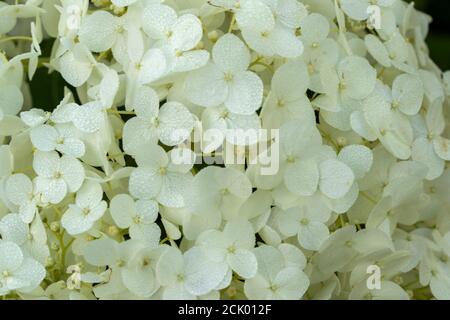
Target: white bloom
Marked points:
275	279
62	138
31	238
139	274
353	79
226	79
226	251
237	129
307	223
216	193
171	273
357	9
57	175
76	65
139	217
18	272
22	192
287	99
88	208
172	123
157	177
178	36
34	117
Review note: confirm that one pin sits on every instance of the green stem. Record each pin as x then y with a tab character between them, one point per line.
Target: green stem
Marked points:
329	139
113	111
264	65
365	195
12	38
232	22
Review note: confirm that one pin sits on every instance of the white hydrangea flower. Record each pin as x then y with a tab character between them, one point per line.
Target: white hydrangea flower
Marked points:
226	79
88	208
178	36
216	194
233	127
393	52
307	223
57	175
353	79
171	273
358	9
158	178
429	147
137	216
76	65
31	238
275	279
18	272
21	191
62	138
171	124
139	276
287	100
226	251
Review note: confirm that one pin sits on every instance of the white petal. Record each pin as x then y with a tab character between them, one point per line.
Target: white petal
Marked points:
31	272
74	70
187	32
11	99
202	274
190	60
245	93
240	232
146	103
313	235
243	262
13	229
176	123
358	75
290	81
230	54
88	117
423	152
73	172
44	137
153	66
206	86
75	222
358	158
122	209
145	183
292	283
53	190
149	234
302	177
90	195
157	19
255	15
169	266
147	210
408	93
98	31
11	256
18	188
285	43
140	282
442	148
336	178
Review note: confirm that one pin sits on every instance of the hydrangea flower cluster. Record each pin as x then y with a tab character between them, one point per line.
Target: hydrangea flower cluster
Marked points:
96	204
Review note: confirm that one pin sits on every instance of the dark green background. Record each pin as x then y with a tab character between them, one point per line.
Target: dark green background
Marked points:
47	90
439	37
